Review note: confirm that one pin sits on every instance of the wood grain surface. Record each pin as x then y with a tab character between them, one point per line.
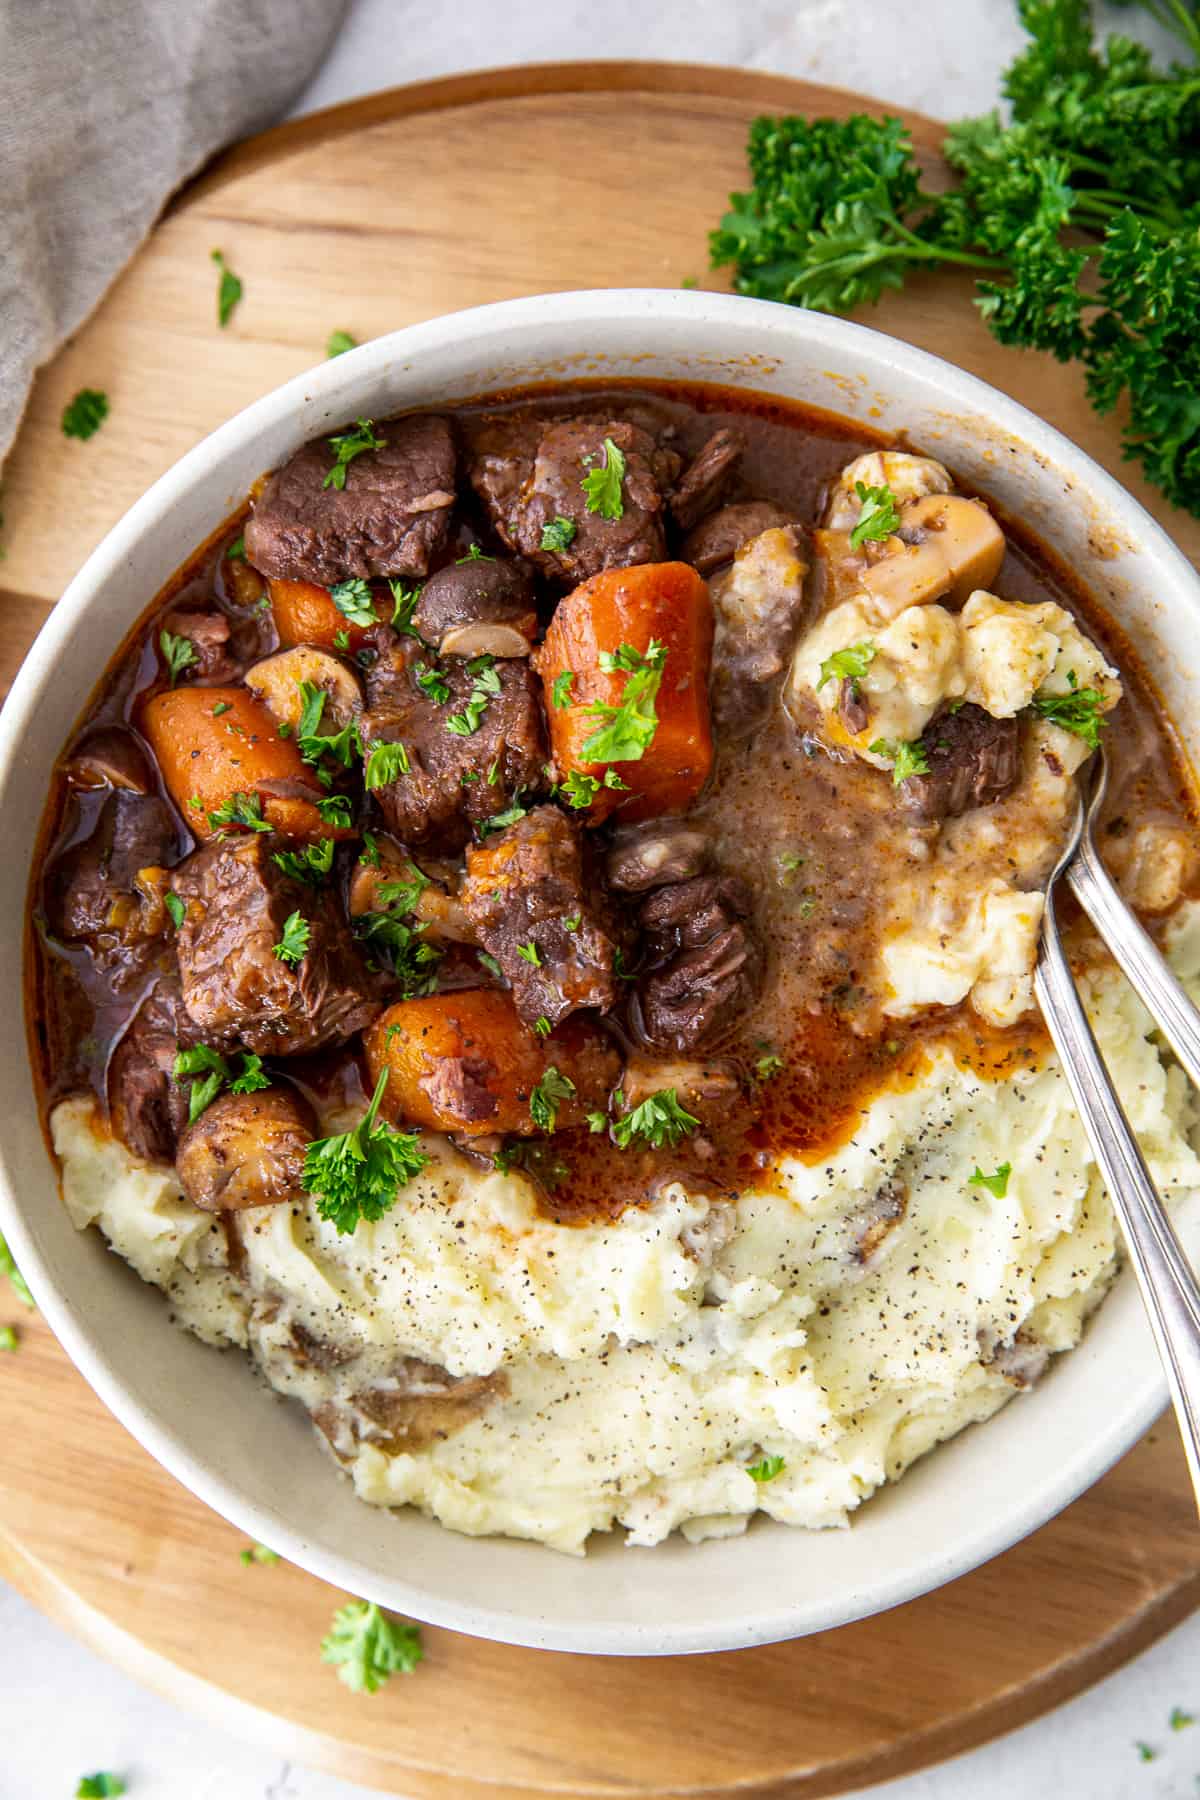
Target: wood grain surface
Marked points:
375	215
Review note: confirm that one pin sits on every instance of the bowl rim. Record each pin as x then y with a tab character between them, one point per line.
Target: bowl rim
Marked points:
792	329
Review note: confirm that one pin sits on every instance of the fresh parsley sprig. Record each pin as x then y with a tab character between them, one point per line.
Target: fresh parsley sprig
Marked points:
659	1120
1080	712
878	518
366	1646
602	487
358	1174
850	664
346	445
213	1072
83	416
386	763
241	809
293	945
179	653
485	686
628	728
908	756
558	534
354	601
311	865
544	1101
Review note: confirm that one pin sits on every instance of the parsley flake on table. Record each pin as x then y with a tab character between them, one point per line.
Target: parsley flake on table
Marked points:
996	1183
602	486
176	908
366	1645
101	1786
879	516
386	763
293	945
258	1553
850	664
560	693
767	1469
907	757
1079	712
358	1174
628	729
8	1337
310	865
179	653
659	1120
84	415
229	290
346	445
484	689
17	1281
339	342
353	600
546	1096
559	533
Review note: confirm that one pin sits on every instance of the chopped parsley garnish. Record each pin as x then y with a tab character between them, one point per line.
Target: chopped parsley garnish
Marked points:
767	1469
405	895
573	923
996	1183
341	640
222	706
213	1072
8	1337
342	746
17	1281
386	763
603	486
402	948
559	534
358	1174
366	1646
580	790
237	550
229	290
908	756
310	865
369	854
879	516
339	342
83	416
485	687
103	1785
293	945
353	600
179	653
474	554
597	1122
1146	1752
561	691
613	780
176	908
543	1026
404	603
850	664
1080	711
432	683
346	445
767	1067
628	729
258	1553
240	809
502	820
335	810
544	1100
658	1120
490	964
1180	1720
537	1158
531	953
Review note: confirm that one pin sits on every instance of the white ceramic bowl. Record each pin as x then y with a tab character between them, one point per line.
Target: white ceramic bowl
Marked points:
204	1414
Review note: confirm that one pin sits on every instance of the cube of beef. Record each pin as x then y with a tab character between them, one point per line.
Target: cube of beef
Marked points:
973	760
705	963
706	477
147	1108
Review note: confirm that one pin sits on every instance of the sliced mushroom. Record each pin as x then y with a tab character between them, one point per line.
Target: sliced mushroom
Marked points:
277	679
474	608
654	853
946	547
246	1150
110	757
485	639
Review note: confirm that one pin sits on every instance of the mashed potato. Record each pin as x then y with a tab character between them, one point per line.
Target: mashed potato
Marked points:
632	1373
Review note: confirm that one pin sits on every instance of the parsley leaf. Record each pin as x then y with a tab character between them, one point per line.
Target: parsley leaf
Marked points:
1080	711
369	854
879	517
559	534
258	1553
8	1337
561	690
335	810
310	865
602	486
660	1119
502	820
85	414
1146	1752
366	1646
542	1026
1180	1720
101	1786
358	1174
580	790
179	653
404	896
346	445
176	908
544	1100
237	550
253	1076
768	1067
240	809
17	1281
341	746
628	729
353	601
474	554
404	603
229	290
402	948
386	763
531	953
485	687
432	683
996	1183
573	923
907	757
767	1469
850	664
293	945
339	342
214	1072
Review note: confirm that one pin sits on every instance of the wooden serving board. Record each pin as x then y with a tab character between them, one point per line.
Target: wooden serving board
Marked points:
366	218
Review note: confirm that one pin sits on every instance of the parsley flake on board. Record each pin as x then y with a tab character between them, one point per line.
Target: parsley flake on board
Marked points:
602	486
179	653
659	1120
996	1183
544	1100
767	1469
17	1281
484	689
558	534
346	445
878	517
628	729
8	1337
229	290
293	945
366	1646
240	809
1146	1752
84	415
258	1553
386	763
1079	712
358	1174
907	757
310	865
850	664
103	1785
339	342
176	908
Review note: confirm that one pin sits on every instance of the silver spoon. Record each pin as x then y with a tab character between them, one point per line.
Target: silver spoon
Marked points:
1169	1290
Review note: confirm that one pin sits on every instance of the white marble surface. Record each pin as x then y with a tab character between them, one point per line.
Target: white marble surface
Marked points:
63	1712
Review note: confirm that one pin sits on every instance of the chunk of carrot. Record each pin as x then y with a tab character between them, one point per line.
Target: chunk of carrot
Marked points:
214	742
305	614
667	603
465	1062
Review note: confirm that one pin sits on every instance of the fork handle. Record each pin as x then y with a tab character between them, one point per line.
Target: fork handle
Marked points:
1138	955
1168	1286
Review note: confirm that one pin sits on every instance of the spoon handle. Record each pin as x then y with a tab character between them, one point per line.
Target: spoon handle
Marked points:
1137	954
1168	1286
